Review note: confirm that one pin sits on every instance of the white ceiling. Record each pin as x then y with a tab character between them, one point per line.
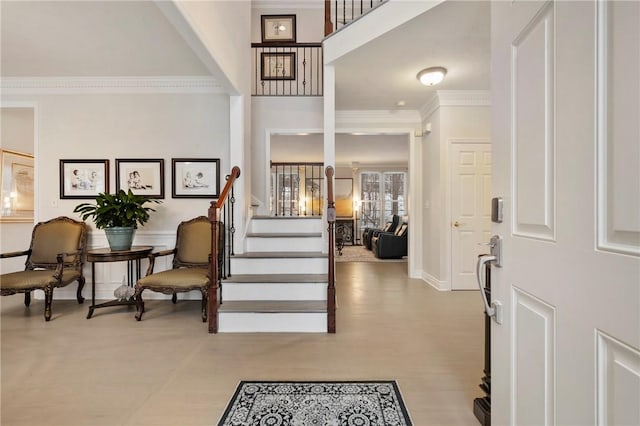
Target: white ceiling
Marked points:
454	35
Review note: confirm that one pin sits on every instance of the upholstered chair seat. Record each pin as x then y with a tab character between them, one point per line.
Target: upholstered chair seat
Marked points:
54	259
191	265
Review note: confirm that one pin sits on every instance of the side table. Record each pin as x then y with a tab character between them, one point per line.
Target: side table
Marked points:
132	257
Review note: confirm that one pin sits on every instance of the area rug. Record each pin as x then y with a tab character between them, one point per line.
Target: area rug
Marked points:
361	254
353	403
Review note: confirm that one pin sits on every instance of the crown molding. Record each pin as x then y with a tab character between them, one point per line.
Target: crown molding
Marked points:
455	98
378	117
108	85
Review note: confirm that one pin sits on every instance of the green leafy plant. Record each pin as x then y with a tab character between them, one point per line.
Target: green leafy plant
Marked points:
120	209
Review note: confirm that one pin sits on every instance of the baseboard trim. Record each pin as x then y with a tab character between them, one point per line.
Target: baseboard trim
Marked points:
436	283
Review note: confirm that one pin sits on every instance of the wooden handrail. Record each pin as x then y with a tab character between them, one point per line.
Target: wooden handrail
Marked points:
331	287
213	302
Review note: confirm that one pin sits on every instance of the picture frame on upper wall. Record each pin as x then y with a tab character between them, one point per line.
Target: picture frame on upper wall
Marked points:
83	179
17	193
143	176
195	177
278	28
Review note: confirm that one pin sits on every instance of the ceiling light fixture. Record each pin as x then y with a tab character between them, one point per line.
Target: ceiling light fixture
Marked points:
431	76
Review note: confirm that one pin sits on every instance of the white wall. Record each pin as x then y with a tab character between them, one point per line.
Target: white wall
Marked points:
448	122
86	126
279	114
17	134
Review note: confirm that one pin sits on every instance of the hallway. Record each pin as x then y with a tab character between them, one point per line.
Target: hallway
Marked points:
166	370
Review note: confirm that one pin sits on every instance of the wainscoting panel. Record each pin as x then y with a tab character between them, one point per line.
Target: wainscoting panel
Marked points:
618	160
618	382
532	139
533	340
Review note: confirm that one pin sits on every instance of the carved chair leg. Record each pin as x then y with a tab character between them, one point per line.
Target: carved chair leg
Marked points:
27	298
81	282
139	303
48	298
174	298
205	298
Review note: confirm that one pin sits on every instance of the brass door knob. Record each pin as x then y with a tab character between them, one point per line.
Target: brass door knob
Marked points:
457	224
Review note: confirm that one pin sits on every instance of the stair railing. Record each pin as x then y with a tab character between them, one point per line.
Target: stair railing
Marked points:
215	209
339	13
296	189
331	287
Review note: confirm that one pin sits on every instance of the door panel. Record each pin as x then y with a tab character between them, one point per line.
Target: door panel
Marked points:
470	210
568	169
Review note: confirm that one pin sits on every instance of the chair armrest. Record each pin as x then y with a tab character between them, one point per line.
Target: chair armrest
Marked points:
14	254
60	259
152	258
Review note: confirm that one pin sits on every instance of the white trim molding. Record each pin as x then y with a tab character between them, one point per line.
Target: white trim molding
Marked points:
455	98
378	116
108	85
436	283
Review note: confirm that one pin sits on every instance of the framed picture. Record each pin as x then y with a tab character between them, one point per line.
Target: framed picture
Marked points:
278	66
344	197
141	176
17	186
195	177
83	178
278	28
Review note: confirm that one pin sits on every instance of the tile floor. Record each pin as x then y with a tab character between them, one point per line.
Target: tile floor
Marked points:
167	370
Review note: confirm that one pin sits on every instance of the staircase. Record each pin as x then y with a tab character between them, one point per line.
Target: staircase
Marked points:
280	283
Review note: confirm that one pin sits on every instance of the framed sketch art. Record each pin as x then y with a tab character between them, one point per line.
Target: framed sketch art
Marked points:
195	177
17	187
278	28
141	176
344	197
83	179
278	66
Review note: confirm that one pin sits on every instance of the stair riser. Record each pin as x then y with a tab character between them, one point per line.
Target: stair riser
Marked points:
231	322
241	265
307	244
274	291
279	226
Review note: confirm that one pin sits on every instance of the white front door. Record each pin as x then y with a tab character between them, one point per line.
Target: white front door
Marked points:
566	153
470	210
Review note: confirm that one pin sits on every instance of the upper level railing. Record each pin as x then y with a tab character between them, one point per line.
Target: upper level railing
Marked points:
297	189
286	69
338	13
218	238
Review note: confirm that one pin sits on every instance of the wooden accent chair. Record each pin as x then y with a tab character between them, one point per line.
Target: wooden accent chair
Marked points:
190	271
54	259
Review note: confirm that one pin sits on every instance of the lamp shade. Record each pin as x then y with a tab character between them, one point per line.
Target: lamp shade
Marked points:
431	76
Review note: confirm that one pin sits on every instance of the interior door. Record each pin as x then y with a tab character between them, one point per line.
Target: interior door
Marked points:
470	210
566	153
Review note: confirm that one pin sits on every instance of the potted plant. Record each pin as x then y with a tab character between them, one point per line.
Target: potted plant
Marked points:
119	215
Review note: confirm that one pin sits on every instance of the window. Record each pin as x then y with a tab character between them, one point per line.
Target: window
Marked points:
382	194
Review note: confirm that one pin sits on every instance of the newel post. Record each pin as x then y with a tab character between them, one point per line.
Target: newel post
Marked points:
331	288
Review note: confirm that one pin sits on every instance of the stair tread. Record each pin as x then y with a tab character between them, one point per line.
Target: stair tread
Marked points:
284	235
277	278
274	306
280	254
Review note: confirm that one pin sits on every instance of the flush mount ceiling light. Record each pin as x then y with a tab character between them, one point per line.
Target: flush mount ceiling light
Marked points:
431	76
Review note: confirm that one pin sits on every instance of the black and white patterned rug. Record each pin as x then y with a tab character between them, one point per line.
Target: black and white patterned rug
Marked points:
354	403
